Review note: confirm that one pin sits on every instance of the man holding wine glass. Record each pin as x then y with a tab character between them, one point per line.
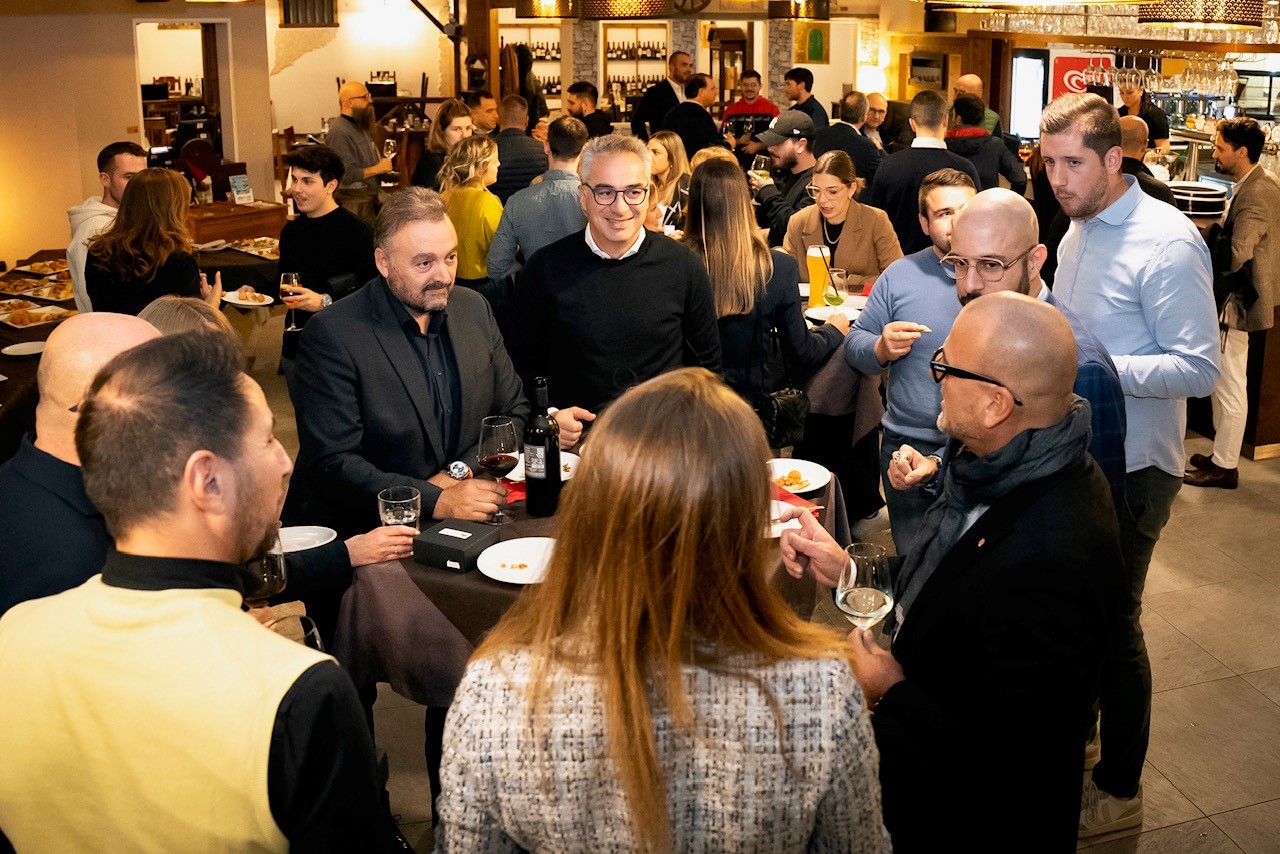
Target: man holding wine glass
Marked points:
1004	608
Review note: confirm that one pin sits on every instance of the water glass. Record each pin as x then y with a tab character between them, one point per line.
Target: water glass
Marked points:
400	505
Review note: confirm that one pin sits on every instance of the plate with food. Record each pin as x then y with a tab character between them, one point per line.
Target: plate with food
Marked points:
798	476
58	292
45	268
263	247
299	538
568	465
519	561
9	305
21	286
249	299
24	318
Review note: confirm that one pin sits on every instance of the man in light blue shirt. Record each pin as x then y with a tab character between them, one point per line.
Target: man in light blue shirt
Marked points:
1138	274
906	318
546	211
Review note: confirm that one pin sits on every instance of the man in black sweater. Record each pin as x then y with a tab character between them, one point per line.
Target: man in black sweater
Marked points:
520	157
580	102
790	142
614	305
330	248
798	84
691	121
846	137
659	98
897	187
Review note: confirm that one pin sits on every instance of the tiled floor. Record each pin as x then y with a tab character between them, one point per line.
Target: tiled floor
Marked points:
1212	621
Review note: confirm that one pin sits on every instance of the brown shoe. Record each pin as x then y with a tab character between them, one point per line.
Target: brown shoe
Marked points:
1202	461
1216	477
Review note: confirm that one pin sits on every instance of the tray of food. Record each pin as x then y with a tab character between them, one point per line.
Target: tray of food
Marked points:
58	292
27	317
45	268
9	305
263	247
20	285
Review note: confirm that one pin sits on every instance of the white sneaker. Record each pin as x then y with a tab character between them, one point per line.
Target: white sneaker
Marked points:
1092	751
1104	813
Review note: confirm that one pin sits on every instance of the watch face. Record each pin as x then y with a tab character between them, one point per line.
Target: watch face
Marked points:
458	470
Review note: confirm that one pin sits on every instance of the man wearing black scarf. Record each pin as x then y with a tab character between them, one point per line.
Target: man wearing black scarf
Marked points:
1004	608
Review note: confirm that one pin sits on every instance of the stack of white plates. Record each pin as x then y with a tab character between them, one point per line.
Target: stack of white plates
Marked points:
1197	199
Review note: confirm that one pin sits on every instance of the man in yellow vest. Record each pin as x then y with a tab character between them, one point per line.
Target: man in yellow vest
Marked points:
144	710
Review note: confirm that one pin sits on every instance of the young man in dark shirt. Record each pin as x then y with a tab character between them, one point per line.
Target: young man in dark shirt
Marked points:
580	101
798	84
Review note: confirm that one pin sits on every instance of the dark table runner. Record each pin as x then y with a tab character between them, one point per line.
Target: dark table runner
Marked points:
416	626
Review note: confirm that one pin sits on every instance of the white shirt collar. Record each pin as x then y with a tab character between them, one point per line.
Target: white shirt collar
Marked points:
594	247
678	89
927	142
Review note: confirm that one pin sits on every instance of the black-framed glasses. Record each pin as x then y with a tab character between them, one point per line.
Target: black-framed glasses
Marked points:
605	195
940	369
989	269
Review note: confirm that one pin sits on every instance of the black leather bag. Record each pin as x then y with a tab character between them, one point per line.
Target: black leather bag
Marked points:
783	414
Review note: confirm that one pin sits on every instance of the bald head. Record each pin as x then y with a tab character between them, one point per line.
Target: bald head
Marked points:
967	84
998	224
353	96
1026	343
74	354
1133	137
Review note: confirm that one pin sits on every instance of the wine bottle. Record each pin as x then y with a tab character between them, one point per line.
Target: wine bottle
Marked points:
541	455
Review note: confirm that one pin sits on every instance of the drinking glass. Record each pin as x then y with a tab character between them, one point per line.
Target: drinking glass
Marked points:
269	576
400	505
837	282
289	281
762	165
864	592
389	149
498	453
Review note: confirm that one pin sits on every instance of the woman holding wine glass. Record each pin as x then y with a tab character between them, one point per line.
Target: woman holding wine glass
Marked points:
583	719
860	238
452	124
755	289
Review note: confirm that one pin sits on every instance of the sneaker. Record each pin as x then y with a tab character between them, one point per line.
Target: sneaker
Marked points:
1092	751
1103	813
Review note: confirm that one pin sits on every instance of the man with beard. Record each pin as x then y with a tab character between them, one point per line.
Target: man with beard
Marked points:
789	140
580	102
1003	610
147	691
351	136
117	163
1137	272
994	248
906	318
661	97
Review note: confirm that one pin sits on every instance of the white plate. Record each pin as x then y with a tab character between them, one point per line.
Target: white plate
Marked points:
804	289
503	562
50	313
858	302
566	459
27	269
821	315
817	475
26	348
244	303
776	509
299	538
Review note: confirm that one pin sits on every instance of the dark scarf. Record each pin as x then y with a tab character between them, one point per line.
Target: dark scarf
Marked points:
972	480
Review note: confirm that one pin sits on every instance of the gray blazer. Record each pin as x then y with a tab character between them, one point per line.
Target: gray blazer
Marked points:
1254	237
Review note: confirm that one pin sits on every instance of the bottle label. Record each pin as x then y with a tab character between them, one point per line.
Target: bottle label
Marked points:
535	462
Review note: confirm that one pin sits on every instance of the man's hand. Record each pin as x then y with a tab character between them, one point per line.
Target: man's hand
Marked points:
382	167
570	421
302	298
896	339
811	548
875	669
211	295
390	542
839	321
757	182
909	468
473	500
539	131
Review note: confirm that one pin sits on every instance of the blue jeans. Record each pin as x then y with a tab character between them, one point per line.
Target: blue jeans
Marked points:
907	507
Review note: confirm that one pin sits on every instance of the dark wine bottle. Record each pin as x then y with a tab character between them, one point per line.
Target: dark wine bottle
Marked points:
541	455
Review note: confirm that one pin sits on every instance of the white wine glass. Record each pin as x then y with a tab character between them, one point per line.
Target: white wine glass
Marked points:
400	505
864	592
289	281
389	149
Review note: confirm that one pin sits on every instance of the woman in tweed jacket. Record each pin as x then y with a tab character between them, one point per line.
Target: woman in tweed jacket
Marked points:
654	693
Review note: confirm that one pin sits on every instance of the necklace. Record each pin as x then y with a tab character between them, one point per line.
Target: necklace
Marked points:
826	235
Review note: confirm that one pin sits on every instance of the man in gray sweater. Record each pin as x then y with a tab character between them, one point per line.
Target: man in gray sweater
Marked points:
351	136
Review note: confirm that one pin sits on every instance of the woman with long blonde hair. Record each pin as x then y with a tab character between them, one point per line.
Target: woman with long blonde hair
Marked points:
654	693
756	290
452	124
469	169
670	180
146	251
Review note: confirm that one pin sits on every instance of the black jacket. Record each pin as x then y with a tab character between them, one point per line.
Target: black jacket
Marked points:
648	116
1005	639
1149	184
693	124
862	151
898	186
777	207
520	160
991	157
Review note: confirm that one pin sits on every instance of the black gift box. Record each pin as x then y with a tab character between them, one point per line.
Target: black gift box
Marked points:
453	544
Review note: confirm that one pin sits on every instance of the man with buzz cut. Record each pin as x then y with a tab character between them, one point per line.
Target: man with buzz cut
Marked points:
117	163
662	96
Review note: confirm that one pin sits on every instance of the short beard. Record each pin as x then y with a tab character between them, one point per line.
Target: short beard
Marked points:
413	298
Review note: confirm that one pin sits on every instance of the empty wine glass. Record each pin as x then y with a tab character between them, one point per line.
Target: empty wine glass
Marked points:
864	592
289	281
389	149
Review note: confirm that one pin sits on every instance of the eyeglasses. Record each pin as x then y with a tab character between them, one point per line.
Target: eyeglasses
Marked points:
940	369
829	192
605	196
989	269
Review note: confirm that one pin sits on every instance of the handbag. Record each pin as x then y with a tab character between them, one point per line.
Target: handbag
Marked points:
782	413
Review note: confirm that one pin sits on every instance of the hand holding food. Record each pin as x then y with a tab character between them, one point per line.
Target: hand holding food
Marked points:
896	339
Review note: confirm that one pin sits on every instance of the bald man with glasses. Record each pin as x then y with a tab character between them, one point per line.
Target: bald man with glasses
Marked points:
350	135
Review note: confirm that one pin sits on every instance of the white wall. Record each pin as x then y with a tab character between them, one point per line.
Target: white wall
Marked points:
168	53
71	86
372	35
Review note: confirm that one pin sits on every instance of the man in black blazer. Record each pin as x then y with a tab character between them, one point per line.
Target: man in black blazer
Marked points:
1133	142
691	121
1005	606
847	137
663	96
394	380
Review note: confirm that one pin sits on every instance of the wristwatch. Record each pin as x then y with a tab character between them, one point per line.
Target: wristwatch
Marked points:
458	470
325	300
937	469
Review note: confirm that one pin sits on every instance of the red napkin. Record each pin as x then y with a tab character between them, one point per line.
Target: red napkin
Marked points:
780	494
515	491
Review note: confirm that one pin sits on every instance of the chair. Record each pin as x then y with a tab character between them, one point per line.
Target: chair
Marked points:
282	143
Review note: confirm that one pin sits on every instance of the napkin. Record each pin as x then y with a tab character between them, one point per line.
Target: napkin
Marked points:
780	494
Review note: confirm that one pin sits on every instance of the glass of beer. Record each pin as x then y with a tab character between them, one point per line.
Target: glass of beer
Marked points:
761	164
818	262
